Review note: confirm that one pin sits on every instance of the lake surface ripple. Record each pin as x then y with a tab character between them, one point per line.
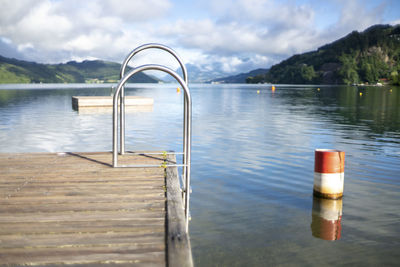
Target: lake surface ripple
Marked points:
253	163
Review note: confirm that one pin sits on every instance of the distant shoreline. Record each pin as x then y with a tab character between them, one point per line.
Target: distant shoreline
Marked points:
21	86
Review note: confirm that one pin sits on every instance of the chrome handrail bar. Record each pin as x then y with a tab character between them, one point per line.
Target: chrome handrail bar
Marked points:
150	166
187	120
122	97
156	153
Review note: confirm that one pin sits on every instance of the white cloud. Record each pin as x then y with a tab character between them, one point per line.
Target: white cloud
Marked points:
12	10
56	31
273	13
24	47
231	36
5	40
354	15
136	10
41	26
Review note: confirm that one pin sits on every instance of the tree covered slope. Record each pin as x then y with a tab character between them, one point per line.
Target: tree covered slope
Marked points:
18	71
360	57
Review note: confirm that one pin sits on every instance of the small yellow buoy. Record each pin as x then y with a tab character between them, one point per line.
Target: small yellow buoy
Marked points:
319	89
360	93
273	88
391	90
258	91
178	90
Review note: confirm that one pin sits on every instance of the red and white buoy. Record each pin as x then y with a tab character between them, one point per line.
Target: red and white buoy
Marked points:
326	218
329	173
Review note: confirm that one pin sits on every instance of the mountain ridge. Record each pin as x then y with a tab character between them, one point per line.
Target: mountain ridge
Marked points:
368	57
88	71
241	77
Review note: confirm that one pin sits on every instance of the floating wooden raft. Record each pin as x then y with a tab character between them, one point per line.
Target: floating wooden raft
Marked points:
75	209
107	101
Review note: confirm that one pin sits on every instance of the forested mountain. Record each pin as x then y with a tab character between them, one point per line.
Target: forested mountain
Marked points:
18	71
370	56
241	77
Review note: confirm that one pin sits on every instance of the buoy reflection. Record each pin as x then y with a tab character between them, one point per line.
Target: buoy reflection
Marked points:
326	218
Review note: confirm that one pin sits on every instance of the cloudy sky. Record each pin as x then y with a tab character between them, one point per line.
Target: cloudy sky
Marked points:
216	35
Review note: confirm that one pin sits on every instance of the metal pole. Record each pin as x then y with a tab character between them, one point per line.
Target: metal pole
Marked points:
150	166
116	97
187	164
122	121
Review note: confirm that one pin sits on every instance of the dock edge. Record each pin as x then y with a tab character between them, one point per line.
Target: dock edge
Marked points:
179	252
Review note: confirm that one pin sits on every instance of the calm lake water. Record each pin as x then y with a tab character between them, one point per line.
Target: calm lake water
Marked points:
253	164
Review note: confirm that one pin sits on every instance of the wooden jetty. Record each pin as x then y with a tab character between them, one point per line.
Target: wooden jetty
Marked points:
76	209
107	101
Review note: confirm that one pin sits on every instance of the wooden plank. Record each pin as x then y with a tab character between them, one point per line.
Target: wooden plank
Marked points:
90	177
156	235
109	109
132	225
110	198
88	191
127	254
178	242
81	216
90	196
145	236
75	207
107	101
51	183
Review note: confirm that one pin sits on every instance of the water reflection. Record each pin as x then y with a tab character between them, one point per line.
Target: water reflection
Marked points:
253	159
378	108
326	218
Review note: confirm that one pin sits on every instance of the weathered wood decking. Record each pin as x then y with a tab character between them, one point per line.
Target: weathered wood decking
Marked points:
74	208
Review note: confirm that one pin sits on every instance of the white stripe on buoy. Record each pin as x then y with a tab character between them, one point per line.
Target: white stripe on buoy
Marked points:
329	182
329	173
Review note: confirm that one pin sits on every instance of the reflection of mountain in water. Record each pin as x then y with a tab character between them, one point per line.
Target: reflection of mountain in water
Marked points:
13	97
35	95
377	108
30	96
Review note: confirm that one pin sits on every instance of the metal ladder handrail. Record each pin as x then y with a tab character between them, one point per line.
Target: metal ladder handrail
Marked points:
187	121
122	73
122	96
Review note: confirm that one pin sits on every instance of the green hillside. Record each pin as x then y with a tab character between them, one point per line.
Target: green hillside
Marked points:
18	71
241	77
369	57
